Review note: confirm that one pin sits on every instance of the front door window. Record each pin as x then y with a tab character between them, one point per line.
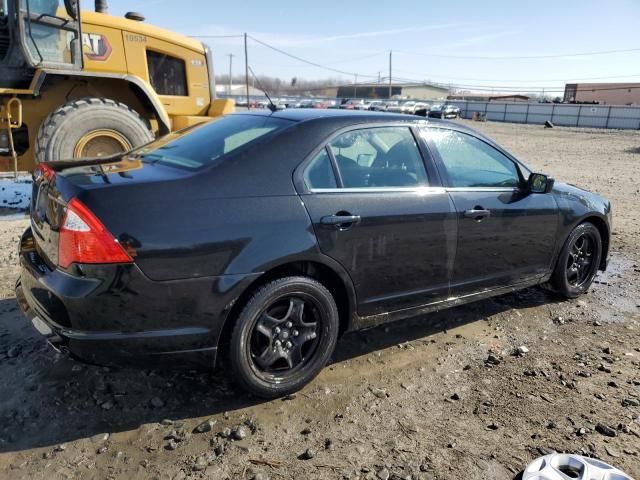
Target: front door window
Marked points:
470	162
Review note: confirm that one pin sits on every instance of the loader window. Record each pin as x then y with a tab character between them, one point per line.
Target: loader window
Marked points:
167	74
51	36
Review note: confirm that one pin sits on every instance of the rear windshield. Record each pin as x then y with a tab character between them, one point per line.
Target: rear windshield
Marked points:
204	144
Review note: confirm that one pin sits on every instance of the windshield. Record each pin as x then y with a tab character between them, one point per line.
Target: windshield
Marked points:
203	144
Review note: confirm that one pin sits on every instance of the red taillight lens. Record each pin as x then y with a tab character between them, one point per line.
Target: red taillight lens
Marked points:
84	239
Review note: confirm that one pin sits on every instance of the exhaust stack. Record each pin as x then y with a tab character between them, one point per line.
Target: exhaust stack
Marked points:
102	6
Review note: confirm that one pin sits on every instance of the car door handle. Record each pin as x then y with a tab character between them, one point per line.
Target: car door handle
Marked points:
477	213
340	220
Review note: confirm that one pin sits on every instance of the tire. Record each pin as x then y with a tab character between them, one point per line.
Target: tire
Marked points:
567	279
98	126
261	365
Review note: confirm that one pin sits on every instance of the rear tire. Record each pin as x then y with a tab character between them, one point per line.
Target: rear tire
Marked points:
578	262
90	127
283	337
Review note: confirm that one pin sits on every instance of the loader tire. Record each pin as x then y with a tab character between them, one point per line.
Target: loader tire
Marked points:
90	127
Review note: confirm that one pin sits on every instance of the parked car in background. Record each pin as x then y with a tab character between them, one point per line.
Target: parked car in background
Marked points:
444	111
293	103
419	108
407	107
394	106
353	104
377	106
211	243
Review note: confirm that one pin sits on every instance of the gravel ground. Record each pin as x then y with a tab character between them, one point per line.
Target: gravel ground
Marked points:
437	397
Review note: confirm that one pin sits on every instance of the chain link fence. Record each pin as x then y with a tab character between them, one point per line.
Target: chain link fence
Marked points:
566	115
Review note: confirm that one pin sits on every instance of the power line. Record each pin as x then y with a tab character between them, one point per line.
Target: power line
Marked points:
428	75
308	62
520	57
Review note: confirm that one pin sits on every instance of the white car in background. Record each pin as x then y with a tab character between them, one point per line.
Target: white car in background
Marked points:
394	106
407	107
420	107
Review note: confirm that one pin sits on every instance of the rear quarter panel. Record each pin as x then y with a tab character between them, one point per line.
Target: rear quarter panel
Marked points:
215	236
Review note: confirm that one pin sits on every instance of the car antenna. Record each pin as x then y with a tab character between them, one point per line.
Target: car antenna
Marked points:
272	106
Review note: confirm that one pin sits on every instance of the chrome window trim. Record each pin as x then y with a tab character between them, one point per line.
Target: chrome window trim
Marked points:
482	189
421	190
426	190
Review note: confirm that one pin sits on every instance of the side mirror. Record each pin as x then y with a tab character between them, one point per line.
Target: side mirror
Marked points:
540	183
71	6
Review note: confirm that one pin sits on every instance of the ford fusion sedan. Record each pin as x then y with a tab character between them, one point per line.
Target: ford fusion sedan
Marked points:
261	237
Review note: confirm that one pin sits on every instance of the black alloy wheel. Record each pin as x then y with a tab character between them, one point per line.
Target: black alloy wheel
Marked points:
283	336
578	261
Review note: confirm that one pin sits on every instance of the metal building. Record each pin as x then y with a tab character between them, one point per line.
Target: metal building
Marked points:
421	91
603	93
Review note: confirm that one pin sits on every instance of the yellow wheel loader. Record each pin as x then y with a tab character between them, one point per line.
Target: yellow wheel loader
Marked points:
77	84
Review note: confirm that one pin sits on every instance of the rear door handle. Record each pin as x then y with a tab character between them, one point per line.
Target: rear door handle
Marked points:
477	213
340	220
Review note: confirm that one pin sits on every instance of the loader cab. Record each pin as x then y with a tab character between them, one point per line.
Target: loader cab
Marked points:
37	34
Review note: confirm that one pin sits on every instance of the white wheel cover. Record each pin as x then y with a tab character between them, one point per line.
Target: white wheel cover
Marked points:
550	467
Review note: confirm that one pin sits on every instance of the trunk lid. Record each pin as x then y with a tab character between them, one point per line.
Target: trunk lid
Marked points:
93	182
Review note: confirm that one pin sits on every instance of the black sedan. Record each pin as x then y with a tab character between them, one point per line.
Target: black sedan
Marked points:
261	237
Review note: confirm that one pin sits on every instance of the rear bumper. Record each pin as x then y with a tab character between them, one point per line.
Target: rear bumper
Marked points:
116	315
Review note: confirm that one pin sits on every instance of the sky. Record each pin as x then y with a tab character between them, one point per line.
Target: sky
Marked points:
470	44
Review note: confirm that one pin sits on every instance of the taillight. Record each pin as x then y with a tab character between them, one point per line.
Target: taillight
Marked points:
84	239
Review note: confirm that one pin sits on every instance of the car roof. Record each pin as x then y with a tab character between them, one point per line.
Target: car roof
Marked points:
342	117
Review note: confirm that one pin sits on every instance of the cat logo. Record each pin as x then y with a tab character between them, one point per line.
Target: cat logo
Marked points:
96	47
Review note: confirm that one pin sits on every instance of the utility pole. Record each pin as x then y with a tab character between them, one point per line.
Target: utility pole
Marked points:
390	63
230	55
246	69
379	77
355	94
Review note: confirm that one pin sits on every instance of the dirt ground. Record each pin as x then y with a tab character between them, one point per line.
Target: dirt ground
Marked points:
415	399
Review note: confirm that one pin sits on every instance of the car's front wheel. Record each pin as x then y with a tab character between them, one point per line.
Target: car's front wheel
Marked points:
578	261
283	337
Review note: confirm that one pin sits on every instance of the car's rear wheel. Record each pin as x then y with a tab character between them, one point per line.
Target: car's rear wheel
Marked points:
283	337
578	261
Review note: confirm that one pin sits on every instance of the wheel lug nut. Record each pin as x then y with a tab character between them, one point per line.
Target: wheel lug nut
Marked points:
295	333
278	342
288	345
289	324
277	329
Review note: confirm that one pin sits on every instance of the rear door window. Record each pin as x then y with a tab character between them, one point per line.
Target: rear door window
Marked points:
319	173
378	157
